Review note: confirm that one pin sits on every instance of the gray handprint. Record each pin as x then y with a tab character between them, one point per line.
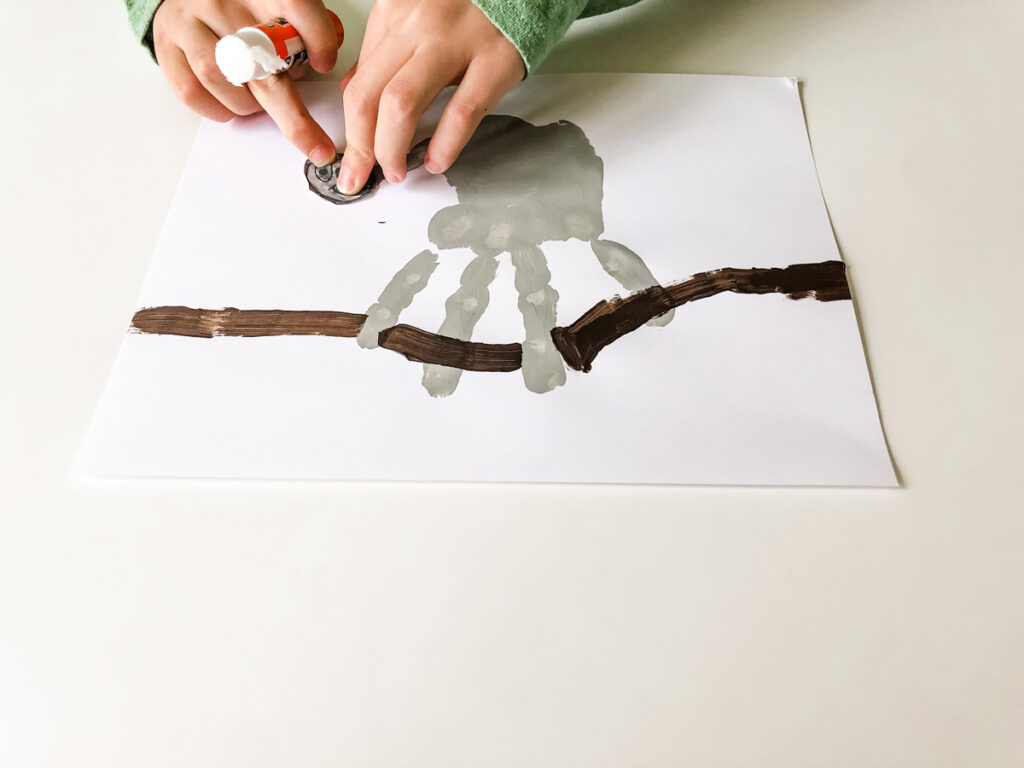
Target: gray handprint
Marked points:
519	185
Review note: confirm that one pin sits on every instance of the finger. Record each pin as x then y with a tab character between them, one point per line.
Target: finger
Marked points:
362	102
376	28
316	29
277	95
482	87
375	31
403	102
186	85
199	43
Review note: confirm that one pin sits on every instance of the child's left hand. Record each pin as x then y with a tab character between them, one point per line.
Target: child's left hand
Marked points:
185	34
412	50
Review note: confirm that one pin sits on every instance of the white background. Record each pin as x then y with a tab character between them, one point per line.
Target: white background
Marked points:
264	624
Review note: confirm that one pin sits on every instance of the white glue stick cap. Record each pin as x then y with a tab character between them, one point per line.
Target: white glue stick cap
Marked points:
243	57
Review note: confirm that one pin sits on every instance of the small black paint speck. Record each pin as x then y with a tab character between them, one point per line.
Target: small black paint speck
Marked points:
382	222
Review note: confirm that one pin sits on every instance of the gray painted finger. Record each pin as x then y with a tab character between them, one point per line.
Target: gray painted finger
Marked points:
542	364
396	296
629	270
463	310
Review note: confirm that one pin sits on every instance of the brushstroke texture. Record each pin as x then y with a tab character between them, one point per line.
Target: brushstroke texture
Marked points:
612	319
208	323
425	347
417	345
578	343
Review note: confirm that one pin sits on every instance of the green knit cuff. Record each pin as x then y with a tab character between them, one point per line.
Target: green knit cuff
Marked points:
532	26
597	7
140	15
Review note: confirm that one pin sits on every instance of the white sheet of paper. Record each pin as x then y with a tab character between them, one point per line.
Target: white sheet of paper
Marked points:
700	172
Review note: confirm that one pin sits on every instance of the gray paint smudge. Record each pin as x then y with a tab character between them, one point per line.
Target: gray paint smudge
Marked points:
521	185
396	296
417	155
463	310
629	270
542	363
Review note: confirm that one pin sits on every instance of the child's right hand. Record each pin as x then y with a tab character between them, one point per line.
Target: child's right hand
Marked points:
185	33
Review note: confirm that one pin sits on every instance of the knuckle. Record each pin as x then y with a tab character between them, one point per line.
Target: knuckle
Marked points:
358	103
465	113
206	69
300	135
441	157
189	91
358	155
400	99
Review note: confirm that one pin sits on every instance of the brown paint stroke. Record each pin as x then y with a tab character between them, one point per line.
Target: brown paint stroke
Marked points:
578	343
415	344
611	319
425	347
207	323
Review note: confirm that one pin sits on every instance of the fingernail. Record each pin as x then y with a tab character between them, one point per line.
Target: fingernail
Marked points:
347	182
393	177
322	156
431	166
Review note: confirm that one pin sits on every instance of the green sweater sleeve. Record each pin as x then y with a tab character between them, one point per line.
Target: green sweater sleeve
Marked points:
534	26
140	15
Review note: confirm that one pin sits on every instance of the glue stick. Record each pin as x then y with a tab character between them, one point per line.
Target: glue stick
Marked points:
256	53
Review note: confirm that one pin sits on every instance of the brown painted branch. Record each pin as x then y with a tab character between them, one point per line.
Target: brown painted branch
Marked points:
417	345
611	319
578	343
425	347
207	323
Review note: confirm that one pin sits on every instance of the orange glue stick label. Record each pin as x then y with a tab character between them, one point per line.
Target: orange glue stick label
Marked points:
257	52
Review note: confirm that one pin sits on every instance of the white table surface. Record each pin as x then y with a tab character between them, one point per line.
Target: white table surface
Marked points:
188	623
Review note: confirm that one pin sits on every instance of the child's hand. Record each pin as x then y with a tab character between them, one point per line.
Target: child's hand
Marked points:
411	51
185	33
